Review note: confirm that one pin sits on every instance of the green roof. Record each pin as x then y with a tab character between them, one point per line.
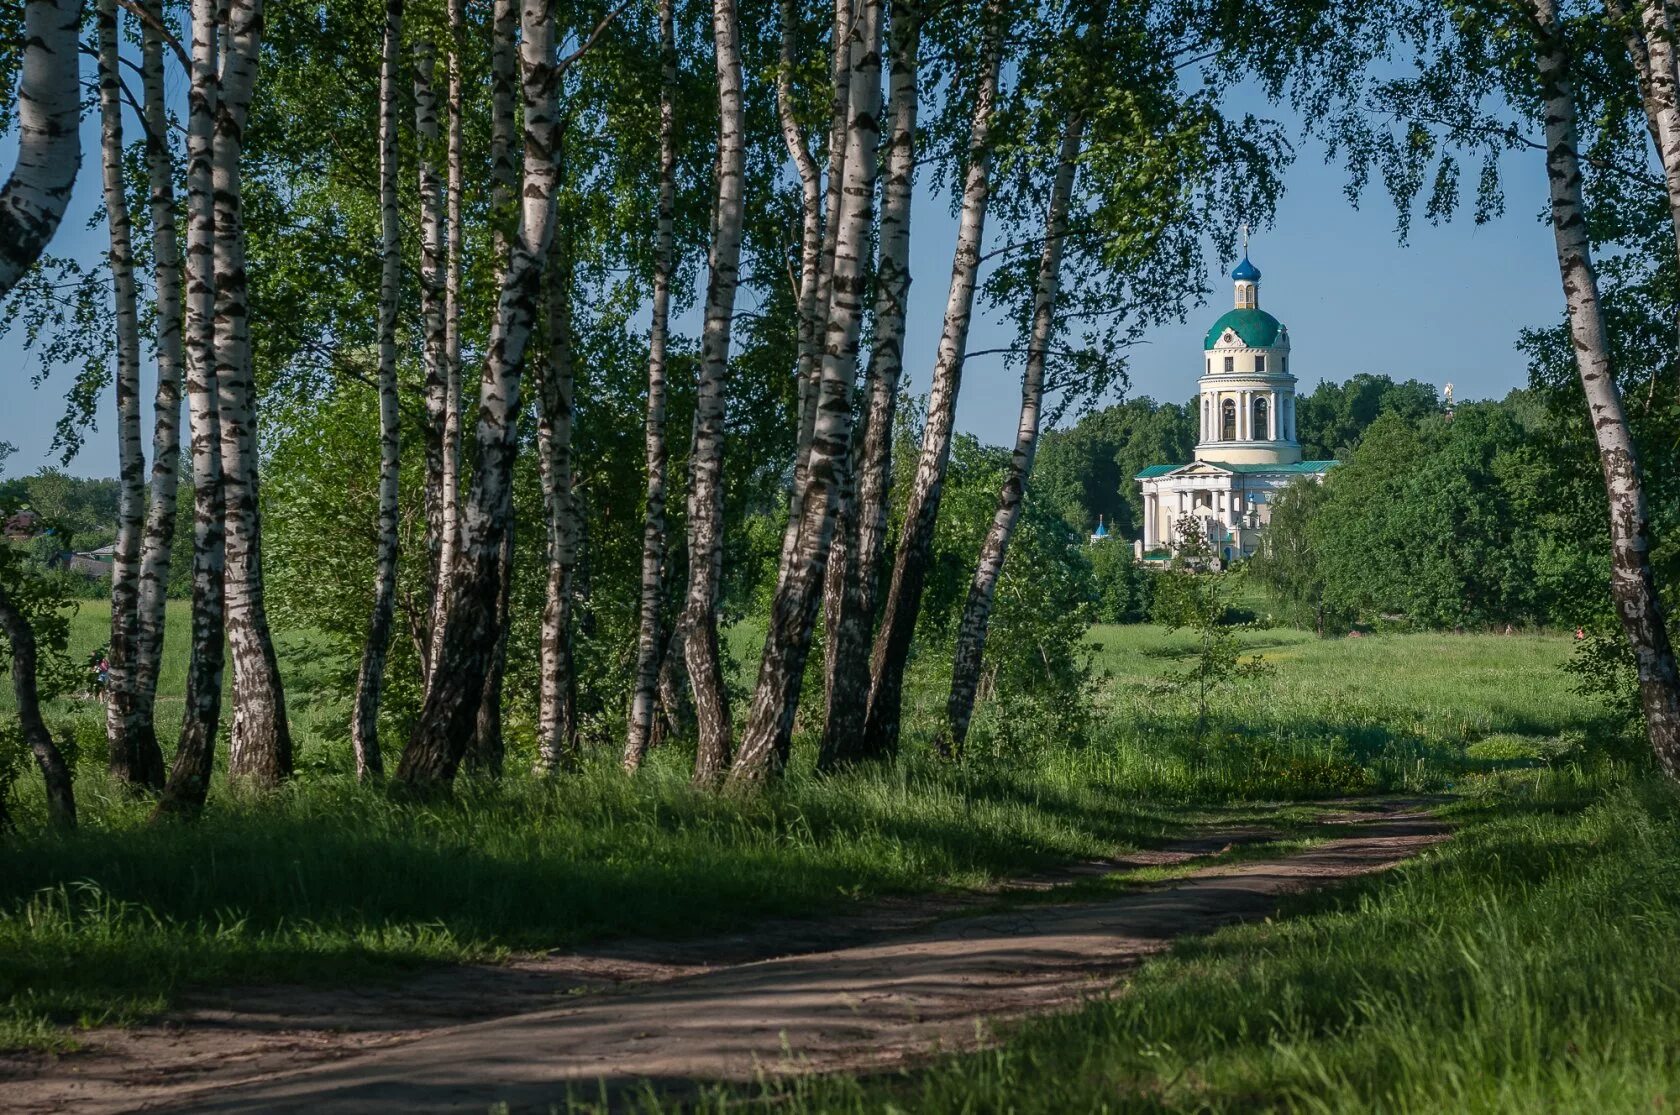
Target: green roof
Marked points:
1302	467
1257	328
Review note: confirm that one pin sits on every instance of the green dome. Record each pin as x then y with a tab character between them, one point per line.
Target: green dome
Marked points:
1257	328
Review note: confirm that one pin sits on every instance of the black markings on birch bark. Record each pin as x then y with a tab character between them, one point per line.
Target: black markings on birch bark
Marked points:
370	678
157	548
34	198
904	597
189	777
766	741
649	639
1632	583
856	561
705	496
261	745
127	759
557	688
473	624
977	609
433	296
449	544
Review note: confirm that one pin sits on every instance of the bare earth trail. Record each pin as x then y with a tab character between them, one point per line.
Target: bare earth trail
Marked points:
894	985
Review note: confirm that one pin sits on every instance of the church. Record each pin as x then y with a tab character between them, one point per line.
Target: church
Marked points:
1247	451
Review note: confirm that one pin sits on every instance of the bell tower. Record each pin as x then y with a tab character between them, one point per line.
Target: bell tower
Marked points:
1247	392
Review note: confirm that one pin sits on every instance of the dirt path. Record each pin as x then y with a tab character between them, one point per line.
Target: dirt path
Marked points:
923	981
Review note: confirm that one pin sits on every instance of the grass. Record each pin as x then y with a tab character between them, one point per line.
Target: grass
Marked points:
1524	966
331	882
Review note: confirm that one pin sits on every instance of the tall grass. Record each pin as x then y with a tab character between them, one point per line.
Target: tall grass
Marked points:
1527	965
330	881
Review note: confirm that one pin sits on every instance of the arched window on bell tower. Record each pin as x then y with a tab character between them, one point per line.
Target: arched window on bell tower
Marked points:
1228	420
1262	420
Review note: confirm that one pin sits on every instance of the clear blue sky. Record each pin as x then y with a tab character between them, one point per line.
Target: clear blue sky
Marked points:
1445	308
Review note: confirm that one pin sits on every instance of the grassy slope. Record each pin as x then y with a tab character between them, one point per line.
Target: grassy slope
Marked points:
328	881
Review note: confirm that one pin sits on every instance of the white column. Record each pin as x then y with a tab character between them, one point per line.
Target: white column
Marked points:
1245	417
1149	503
1274	419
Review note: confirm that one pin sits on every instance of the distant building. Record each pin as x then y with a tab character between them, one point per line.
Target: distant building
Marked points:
95	563
1247	451
1101	533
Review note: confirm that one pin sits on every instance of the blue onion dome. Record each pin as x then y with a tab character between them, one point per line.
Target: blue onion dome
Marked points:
1246	272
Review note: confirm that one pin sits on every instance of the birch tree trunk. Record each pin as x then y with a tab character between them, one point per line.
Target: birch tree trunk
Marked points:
904	597
765	744
814	300
471	627
857	557
1651	46
705	496
55	773
261	745
433	283
487	749
33	200
157	548
1632	584
649	639
370	679
977	610
504	184
557	690
450	543
126	758
189	777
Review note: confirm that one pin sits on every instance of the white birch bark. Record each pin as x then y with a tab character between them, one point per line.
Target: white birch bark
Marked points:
471	627
557	686
33	200
705	497
189	776
765	743
814	309
649	641
370	678
1632	583
126	761
261	747
158	546
977	610
450	543
904	597
858	553
433	295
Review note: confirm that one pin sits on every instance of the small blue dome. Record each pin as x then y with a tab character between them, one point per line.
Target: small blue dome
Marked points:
1246	272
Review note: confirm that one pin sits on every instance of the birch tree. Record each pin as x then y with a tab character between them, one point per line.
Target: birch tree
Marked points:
851	604
261	743
157	548
898	619
433	309
764	745
1632	583
33	200
448	718
450	499
971	634
705	497
128	759
189	776
55	772
649	643
370	677
557	688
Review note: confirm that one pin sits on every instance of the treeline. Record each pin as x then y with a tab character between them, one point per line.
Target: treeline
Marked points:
1085	471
